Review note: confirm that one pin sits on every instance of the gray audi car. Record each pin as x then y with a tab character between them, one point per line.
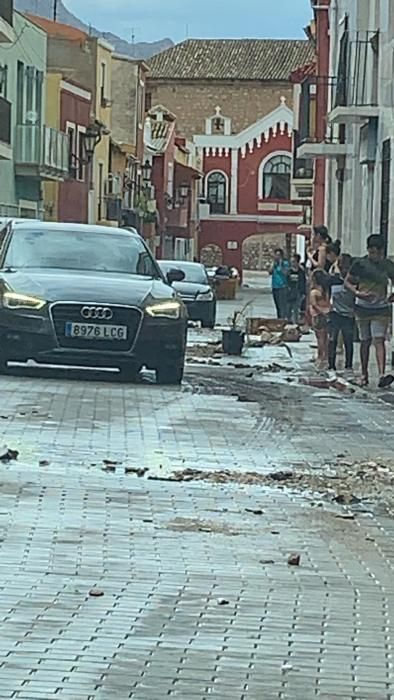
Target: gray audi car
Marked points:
74	294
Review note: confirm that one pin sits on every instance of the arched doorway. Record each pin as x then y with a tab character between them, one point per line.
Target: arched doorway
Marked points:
211	255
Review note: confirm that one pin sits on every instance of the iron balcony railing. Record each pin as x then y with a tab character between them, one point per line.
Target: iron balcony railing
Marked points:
357	71
5	121
6	10
42	147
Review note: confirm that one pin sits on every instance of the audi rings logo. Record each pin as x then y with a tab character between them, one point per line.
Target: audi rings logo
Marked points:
100	313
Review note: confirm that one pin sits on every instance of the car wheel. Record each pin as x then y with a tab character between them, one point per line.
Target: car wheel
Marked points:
210	321
170	373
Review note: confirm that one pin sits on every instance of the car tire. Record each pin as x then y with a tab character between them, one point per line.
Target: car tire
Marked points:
170	374
209	322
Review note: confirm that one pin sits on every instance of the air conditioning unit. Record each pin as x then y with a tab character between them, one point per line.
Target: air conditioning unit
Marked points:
114	186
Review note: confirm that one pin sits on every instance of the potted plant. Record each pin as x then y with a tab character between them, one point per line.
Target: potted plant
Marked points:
233	338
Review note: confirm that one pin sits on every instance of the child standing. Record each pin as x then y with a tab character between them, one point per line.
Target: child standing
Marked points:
342	315
319	307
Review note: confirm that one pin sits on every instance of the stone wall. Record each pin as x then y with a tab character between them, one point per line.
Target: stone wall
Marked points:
258	251
192	102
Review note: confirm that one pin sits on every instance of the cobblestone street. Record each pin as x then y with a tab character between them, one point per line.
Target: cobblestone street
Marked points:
120	586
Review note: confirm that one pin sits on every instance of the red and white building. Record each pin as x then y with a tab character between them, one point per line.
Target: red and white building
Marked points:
247	184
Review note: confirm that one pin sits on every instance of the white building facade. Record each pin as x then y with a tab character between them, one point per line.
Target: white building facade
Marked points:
360	123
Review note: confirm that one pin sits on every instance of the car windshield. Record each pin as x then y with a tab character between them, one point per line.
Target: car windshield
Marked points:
79	250
194	273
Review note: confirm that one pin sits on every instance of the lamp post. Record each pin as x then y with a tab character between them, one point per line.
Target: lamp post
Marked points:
146	173
91	139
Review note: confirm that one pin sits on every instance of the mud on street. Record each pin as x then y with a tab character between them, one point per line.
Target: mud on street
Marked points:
199	542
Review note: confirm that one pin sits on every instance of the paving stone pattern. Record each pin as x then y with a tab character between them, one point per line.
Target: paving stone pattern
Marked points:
198	599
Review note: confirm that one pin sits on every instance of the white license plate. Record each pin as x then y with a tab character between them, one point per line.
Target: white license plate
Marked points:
95	331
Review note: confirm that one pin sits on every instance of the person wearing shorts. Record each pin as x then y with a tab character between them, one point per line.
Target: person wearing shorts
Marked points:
369	279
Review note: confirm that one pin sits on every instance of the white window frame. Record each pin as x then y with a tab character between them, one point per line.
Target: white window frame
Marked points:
217	171
70	126
103	81
80	166
264	162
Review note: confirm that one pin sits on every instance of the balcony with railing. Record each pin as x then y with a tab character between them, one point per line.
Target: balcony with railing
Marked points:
41	152
355	97
302	174
5	129
319	139
7	34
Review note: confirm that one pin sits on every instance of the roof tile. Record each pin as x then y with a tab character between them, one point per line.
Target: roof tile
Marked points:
231	59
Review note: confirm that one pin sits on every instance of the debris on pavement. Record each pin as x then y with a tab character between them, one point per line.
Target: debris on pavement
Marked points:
9	456
256	511
138	471
294	560
343	482
321	382
281	476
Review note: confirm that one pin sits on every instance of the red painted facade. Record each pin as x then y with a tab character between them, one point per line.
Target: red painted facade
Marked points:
75	109
243	158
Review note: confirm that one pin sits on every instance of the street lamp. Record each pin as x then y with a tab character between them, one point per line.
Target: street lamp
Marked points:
184	191
146	172
91	139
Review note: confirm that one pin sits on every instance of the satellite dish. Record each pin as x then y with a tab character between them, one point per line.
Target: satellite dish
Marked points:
31	117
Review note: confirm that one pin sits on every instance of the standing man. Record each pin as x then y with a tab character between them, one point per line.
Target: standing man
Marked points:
296	290
280	281
369	279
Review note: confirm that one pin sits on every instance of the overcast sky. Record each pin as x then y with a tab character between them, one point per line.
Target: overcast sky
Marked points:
156	19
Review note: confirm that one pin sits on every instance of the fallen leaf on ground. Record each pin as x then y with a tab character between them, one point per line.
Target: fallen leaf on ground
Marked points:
294	560
9	456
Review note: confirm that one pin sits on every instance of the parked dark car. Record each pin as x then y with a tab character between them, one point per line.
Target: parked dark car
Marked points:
195	290
88	296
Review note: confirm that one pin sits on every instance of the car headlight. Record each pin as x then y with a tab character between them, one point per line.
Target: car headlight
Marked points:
13	300
165	309
205	296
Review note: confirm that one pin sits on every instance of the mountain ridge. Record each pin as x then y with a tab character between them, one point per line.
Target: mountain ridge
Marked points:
139	50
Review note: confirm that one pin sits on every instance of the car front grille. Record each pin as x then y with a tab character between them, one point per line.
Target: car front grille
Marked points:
131	317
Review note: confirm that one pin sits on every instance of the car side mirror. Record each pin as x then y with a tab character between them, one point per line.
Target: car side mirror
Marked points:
175	276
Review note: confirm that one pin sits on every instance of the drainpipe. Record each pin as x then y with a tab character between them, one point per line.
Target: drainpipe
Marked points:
321	10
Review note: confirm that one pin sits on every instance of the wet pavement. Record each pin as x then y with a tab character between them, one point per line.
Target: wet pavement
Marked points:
115	585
